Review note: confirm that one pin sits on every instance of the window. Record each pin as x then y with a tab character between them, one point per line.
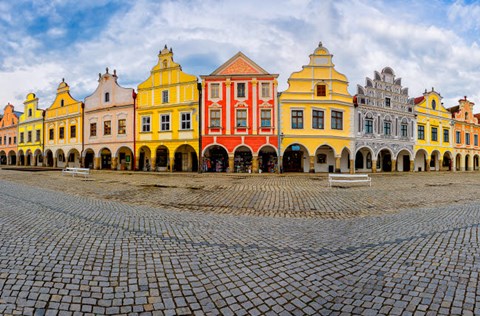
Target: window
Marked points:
165	96
266	118
446	136
0	140
404	130
317	119
337	120
122	126
387	128
107	128
73	131
29	112
145	123
51	134
434	134
215	90
62	103
421	132
241	118
368	126
29	137
186	122
434	104
297	119
215	118
466	115
21	137
321	90
265	90
241	90
467	138
475	140
107	97
14	140
61	132
458	138
37	137
165	122
387	102
93	129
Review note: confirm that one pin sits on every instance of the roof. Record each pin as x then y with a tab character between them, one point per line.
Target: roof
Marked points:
239	64
418	100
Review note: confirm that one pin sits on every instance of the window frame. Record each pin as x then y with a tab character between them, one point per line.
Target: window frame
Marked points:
237	90
335	119
211	118
146	126
185	121
107	127
73	131
93	131
458	137
165	126
321	90
421	131
122	127
446	133
297	121
165	96
263	119
61	132
432	134
316	119
217	90
265	87
238	118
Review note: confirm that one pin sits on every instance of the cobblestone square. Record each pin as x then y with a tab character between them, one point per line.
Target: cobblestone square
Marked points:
238	244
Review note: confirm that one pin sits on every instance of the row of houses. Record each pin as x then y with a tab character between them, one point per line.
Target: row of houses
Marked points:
235	120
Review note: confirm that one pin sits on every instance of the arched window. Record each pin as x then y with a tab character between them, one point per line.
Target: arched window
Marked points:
107	97
466	115
29	112
62	103
434	104
164	64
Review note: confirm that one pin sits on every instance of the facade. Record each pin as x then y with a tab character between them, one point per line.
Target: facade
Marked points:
433	147
317	118
239	107
167	118
8	136
108	124
384	125
63	130
30	133
465	136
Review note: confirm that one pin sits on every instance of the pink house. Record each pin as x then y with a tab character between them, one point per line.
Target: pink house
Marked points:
8	135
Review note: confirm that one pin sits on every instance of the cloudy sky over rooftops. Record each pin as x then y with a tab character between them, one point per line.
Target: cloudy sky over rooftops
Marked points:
427	43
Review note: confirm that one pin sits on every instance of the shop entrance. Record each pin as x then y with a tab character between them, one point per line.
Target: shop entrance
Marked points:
215	159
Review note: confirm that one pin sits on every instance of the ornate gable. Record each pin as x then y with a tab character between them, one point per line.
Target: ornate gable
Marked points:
239	65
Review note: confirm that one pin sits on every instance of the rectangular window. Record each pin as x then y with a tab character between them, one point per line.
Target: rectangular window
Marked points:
61	132
241	118
93	129
214	118
266	118
145	123
265	90
165	96
37	138
51	134
321	90
122	126
337	120
186	121
387	102
29	136
369	126
446	136
0	140
434	134
240	90
404	128
14	140
297	119
107	128
317	119
421	132
467	138
387	128
458	138
165	122
214	90
475	140
21	138
73	131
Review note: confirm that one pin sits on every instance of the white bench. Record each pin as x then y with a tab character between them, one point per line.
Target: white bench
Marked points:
76	171
348	178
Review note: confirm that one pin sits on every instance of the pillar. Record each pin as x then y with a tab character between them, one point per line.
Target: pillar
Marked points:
412	165
440	164
255	164
338	164
374	166
280	164
171	163
352	166
114	163
428	165
231	164
394	165
25	160
82	163
311	160
55	162
97	161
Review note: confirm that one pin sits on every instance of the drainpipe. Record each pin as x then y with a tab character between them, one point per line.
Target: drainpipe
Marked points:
83	135
134	95
280	137
43	138
200	158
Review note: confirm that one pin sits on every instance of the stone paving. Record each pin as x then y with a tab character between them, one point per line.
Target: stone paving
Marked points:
74	253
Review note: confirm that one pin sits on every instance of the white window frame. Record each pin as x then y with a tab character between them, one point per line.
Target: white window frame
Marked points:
269	84
162	129
219	85
324	119
246	118
271	120
182	121
236	90
166	94
145	124
210	118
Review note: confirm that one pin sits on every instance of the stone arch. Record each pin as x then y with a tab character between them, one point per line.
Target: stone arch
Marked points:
458	162
88	158
384	160
242	159
267	158
105	155
185	158
28	158
3	157
73	158
435	160
403	158
345	159
295	158
124	158
468	162
61	159
420	162
363	159
49	160
215	158
12	158
20	158
448	162
476	162
38	157
144	157
162	158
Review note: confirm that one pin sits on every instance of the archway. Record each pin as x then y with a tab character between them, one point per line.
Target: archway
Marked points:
144	159
61	159
21	158
242	159
162	160
49	158
73	158
421	160
435	161
267	159
38	157
475	162
105	159
447	163
363	159
324	159
28	158
467	163
384	160
125	158
458	161
89	161
403	160
345	160
294	159
185	159
12	158
3	157
215	159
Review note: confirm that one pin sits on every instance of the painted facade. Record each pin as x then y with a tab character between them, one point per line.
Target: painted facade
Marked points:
384	124
63	130
167	118
8	135
239	110
30	133
465	136
109	136
317	118
434	146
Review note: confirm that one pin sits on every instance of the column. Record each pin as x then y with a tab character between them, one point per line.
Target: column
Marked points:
352	166
412	165
114	163
172	162
338	164
153	163
374	166
97	163
231	164
55	162
312	164
280	164
255	164
228	109
440	164
428	165
462	163
137	161
394	165
471	163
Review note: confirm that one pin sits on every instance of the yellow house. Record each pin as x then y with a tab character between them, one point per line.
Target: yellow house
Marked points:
30	133
63	130
167	118
317	118
434	146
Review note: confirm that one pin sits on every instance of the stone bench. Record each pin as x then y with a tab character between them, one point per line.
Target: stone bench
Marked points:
349	178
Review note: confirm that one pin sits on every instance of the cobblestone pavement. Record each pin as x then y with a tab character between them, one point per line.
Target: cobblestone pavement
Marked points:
68	254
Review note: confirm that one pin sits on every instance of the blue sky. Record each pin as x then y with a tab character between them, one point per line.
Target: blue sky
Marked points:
427	43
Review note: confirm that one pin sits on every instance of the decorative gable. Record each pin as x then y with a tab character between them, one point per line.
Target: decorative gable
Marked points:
240	65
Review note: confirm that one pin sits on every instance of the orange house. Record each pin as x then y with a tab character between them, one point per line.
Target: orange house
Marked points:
8	136
239	110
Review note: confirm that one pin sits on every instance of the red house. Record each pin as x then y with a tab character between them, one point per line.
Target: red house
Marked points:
239	111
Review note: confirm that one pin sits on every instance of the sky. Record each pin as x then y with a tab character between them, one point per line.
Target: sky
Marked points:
427	43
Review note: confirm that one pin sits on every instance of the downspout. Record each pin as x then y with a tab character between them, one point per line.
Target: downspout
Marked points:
200	156
43	138
134	95
279	161
83	136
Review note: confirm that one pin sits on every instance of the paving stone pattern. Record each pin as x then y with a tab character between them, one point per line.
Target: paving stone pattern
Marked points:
65	254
